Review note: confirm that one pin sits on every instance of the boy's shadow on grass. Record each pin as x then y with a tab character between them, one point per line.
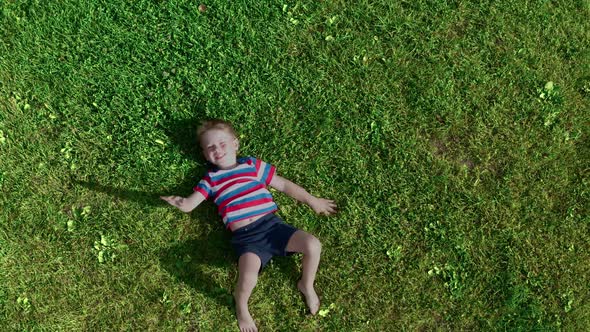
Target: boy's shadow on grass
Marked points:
183	136
197	262
143	197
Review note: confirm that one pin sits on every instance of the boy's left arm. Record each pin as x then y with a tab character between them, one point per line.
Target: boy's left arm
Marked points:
319	205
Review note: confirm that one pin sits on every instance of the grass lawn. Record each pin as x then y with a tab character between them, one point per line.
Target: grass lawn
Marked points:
454	136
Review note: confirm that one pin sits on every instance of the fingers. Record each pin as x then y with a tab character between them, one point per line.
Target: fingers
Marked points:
329	207
329	211
169	199
173	200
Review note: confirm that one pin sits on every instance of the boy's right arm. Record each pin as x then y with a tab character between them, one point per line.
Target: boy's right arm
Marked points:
185	204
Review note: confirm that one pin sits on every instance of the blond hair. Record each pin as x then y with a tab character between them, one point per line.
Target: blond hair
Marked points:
215	124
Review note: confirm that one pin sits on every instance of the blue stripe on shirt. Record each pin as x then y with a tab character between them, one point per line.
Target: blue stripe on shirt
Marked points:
205	187
243	171
251	214
247	200
234	192
266	172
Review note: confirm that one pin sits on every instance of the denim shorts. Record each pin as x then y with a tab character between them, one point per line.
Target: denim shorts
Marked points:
266	237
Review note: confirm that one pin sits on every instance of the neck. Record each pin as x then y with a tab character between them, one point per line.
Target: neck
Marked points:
228	167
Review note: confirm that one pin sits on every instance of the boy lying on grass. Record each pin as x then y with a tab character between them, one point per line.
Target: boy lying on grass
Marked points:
238	188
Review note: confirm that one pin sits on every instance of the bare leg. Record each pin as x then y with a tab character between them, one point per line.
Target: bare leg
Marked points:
311	248
248	265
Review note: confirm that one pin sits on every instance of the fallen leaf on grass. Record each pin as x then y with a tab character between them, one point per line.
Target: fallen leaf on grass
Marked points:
325	312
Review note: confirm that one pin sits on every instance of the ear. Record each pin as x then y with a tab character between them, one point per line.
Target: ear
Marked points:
237	143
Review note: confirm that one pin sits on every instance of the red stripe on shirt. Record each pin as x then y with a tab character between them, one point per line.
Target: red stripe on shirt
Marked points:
246	205
222	189
238	195
235	176
202	191
271	173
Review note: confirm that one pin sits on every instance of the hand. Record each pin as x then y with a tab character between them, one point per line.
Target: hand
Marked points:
323	206
176	201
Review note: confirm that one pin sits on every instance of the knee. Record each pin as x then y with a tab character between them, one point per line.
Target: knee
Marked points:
313	246
246	281
249	266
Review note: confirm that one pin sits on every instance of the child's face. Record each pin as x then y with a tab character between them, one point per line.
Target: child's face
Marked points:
220	148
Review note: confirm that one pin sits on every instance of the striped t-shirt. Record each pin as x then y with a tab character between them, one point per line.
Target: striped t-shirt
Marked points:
240	193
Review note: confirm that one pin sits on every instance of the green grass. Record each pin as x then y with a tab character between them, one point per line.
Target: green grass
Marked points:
461	173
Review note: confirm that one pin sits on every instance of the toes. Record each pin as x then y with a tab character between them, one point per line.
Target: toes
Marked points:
311	298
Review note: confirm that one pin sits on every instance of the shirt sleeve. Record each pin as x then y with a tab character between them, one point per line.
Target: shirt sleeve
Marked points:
264	171
204	187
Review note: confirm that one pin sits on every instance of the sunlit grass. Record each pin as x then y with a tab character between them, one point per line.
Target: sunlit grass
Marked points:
453	136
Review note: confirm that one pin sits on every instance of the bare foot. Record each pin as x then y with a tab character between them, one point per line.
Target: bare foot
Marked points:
245	321
311	298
